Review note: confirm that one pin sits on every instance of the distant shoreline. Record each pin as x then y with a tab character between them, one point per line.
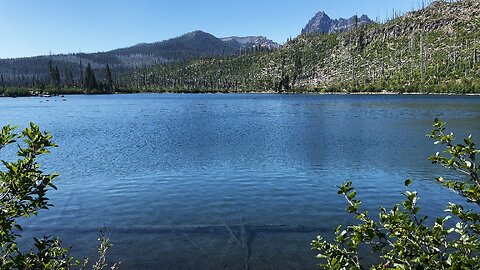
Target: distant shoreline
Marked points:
306	93
271	92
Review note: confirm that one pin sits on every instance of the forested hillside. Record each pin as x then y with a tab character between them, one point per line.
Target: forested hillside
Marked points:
434	49
36	72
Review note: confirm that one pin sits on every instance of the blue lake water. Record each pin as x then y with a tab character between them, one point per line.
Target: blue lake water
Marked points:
214	181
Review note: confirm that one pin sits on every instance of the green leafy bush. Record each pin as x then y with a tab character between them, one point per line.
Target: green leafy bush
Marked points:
400	237
23	193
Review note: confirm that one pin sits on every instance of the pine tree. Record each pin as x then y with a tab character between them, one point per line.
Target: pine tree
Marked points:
2	83
81	74
108	79
51	71
56	77
69	79
54	74
90	82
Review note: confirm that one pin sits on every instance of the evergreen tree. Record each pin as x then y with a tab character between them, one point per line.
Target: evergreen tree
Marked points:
54	74
69	78
90	82
108	79
50	71
56	77
81	73
2	83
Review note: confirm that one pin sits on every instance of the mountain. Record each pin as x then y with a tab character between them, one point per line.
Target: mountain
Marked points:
434	49
322	23
192	45
187	47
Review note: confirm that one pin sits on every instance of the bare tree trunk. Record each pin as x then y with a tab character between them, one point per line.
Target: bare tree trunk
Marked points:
474	58
421	56
352	50
454	59
383	58
425	57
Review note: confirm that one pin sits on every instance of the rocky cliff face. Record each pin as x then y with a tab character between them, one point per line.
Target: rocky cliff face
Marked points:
322	23
252	41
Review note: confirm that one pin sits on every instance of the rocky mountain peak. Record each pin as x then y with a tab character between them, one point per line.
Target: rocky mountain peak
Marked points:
322	14
322	23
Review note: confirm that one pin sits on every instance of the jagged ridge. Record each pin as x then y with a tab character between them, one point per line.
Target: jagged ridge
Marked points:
322	23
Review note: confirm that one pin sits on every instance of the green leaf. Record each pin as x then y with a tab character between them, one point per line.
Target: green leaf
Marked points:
408	182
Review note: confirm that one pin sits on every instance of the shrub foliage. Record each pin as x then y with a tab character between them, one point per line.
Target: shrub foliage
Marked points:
23	193
402	238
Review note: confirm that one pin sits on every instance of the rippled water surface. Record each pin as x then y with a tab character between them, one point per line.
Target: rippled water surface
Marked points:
229	181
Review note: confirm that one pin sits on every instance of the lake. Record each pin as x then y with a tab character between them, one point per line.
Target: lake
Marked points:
226	181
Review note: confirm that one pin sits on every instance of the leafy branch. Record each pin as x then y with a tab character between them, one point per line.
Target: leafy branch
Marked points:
23	193
400	237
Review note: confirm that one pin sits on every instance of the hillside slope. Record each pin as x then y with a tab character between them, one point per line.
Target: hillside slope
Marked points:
189	46
430	50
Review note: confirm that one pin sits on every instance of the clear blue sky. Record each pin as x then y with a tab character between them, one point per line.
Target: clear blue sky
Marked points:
33	27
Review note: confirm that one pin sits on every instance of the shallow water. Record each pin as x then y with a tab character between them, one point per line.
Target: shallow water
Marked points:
212	181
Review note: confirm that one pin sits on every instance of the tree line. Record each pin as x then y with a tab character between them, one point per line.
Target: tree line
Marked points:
58	81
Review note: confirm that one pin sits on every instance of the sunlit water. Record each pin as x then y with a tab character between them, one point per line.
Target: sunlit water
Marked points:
229	181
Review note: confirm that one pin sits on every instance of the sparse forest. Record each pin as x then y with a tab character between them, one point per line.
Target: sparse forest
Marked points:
434	49
74	73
